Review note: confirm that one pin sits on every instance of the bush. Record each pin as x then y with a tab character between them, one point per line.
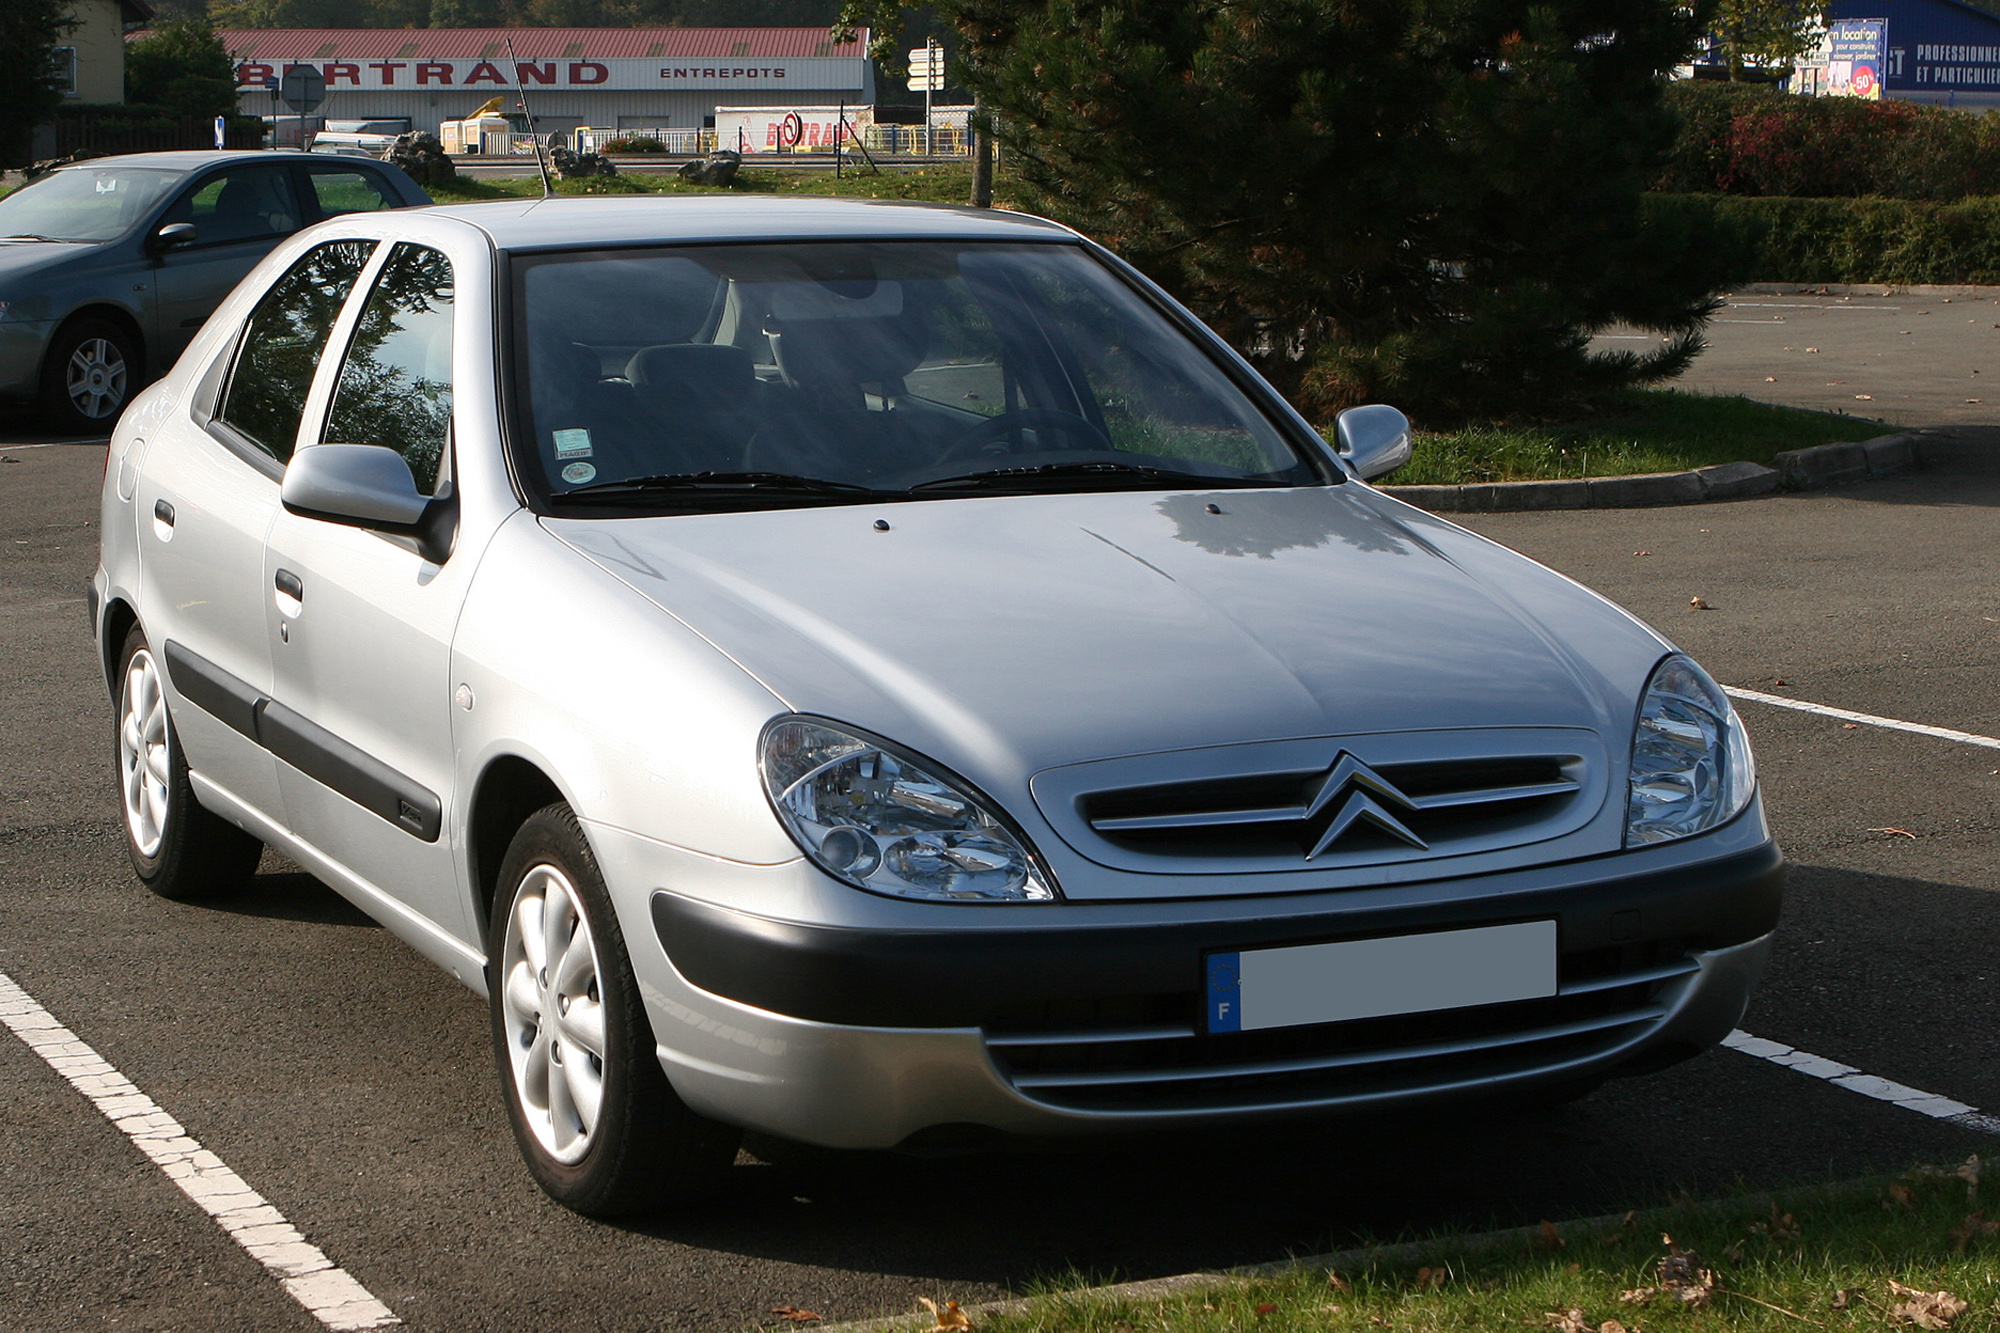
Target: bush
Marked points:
643	144
1849	240
1753	140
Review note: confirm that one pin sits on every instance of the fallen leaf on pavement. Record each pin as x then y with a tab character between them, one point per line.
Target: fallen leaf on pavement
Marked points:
1895	832
1925	1309
1815	349
1770	379
1699	605
795	1314
950	1319
1850	726
1864	397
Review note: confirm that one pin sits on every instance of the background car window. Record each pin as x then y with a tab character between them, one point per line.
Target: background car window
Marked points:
242	204
395	388
284	342
349	192
79	204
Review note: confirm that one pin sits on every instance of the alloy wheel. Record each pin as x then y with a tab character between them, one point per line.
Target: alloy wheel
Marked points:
145	756
553	1009
96	378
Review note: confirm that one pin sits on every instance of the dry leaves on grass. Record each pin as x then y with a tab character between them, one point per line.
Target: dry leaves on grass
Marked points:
1899	1197
1681	1280
1924	1309
950	1319
1975	1224
1784	1227
1266	1307
1430	1279
1575	1321
1340	1284
1551	1238
796	1315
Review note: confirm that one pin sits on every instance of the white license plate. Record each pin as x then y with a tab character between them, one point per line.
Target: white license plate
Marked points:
1404	974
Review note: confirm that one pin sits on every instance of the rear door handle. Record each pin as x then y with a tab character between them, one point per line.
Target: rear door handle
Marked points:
163	512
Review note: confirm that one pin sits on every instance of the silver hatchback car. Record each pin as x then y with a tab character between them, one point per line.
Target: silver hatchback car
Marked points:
887	675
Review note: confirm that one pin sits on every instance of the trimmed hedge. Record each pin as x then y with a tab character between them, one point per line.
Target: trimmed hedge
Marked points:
1850	240
1743	139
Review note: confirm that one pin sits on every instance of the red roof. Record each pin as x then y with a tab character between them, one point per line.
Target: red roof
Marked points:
269	44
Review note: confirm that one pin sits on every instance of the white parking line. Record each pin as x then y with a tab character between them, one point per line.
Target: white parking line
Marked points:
1866	719
1852	1079
328	1293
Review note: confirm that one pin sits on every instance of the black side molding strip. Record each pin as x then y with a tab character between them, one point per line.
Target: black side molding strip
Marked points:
214	691
305	745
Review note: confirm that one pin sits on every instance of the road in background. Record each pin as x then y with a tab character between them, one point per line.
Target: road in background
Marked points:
1909	361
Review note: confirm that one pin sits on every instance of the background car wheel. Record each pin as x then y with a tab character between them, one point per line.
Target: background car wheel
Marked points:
597	1121
92	371
178	849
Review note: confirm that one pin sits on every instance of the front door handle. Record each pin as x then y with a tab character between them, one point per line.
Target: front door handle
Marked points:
291	594
163	512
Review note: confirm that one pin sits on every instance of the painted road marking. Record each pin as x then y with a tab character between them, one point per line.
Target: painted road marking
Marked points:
1852	1079
327	1292
1867	719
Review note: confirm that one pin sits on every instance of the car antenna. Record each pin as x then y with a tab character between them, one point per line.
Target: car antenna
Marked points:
548	190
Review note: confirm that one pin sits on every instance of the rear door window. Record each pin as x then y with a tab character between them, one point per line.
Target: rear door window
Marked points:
283	343
352	191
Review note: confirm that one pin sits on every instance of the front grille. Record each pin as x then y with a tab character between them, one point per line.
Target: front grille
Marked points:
1291	815
1147	1053
1329	804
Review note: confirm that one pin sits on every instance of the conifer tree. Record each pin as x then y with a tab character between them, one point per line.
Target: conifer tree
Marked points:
1429	202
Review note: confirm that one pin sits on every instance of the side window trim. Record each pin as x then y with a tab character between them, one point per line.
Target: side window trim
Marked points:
339	342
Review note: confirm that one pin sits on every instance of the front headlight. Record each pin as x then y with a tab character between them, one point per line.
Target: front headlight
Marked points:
1691	763
875	817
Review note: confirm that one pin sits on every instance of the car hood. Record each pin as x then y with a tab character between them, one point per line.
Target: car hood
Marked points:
1007	635
20	259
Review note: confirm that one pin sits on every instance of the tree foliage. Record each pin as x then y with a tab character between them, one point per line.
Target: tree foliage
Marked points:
182	65
1766	34
30	31
1430	201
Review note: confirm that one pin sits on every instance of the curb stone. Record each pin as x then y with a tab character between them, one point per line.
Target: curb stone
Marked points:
1796	470
1405	1253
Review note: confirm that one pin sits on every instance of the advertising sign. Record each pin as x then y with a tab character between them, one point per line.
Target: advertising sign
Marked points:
1856	51
789	129
614	74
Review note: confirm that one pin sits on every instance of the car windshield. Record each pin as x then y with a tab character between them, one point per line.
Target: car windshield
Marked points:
743	375
84	203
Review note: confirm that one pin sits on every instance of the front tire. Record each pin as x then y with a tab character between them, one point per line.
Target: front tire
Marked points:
178	849
595	1118
92	371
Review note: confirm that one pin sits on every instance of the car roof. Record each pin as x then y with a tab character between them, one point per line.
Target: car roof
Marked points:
187	160
573	223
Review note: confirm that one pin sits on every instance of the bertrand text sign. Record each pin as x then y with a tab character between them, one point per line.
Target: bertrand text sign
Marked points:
621	74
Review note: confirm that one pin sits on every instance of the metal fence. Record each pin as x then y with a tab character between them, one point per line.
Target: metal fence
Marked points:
120	134
881	140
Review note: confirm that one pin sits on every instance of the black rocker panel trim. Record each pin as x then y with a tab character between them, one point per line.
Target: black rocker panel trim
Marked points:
305	745
214	691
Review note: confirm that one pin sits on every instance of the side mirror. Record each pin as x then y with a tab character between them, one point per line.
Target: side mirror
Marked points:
368	486
1375	440
172	235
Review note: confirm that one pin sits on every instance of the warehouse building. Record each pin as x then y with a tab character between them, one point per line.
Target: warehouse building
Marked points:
1943	52
616	78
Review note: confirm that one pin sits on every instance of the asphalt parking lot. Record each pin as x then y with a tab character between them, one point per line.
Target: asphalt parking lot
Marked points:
350	1082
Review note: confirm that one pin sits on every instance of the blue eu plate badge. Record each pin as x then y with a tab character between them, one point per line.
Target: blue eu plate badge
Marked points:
1225	1008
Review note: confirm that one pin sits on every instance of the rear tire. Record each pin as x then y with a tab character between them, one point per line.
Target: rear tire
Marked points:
598	1124
178	849
92	371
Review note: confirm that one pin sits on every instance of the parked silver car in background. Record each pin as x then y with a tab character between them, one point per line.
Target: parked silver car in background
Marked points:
109	266
886	675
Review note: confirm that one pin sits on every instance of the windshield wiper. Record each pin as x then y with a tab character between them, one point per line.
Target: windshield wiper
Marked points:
723	483
1001	478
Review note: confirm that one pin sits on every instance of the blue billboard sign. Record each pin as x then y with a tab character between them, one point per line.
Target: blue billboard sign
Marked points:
1855	57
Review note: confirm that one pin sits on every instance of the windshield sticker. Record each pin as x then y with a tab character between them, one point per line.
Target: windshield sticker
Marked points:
578	473
572	444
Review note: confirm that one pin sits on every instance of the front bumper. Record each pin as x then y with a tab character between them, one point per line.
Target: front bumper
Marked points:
23	343
1079	1017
